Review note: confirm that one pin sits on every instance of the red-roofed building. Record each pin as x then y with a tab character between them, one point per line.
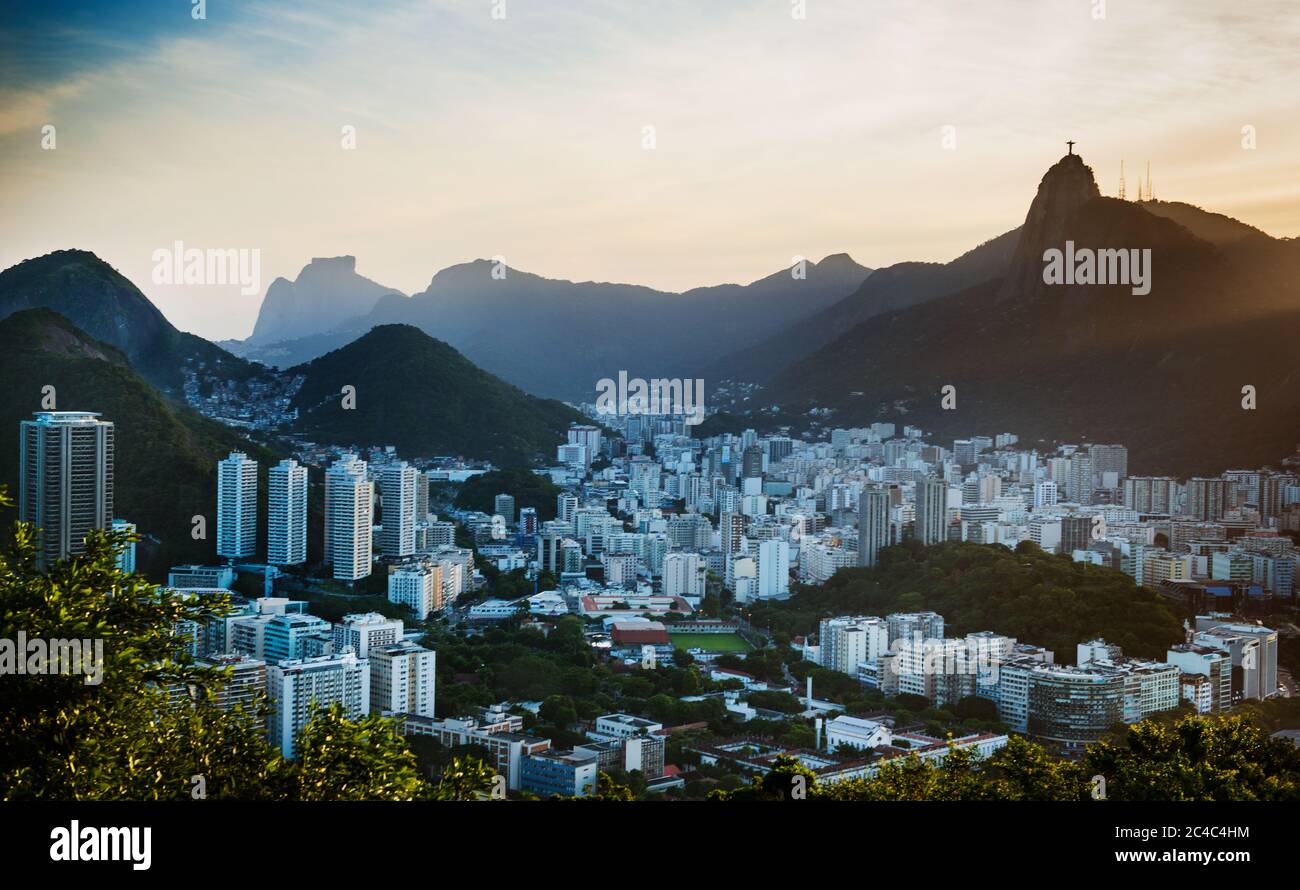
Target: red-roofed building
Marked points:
632	633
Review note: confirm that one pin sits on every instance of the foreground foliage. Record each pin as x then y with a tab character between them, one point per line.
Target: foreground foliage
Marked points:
152	729
1195	759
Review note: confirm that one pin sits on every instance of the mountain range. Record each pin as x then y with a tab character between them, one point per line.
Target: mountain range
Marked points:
469	364
1164	373
558	338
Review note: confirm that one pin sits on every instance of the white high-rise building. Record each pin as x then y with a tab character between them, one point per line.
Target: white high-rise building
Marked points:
349	518
286	525
684	575
773	569
294	686
237	506
364	631
65	484
397	492
1044	494
565	506
402	679
588	437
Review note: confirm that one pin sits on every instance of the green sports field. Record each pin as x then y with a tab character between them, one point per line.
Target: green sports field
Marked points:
710	642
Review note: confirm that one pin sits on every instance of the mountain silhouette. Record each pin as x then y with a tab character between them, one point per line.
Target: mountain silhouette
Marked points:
1163	373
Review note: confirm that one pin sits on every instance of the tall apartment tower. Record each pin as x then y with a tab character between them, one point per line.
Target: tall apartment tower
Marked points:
1078	483
732	526
65	487
286	526
1207	499
349	517
236	506
873	525
932	511
773	569
504	505
421	497
589	437
528	523
397	490
1150	494
1109	459
565	506
683	575
1045	494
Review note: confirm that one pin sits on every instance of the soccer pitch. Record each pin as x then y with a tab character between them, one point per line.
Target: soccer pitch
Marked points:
710	642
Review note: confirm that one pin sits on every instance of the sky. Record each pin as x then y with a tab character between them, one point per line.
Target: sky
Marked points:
892	130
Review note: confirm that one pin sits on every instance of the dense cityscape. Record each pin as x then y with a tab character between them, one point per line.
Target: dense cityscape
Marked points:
661	548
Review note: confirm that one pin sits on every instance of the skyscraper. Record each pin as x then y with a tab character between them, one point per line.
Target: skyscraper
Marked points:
65	487
565	506
1076	533
1206	499
504	506
1109	459
873	525
1044	494
349	514
528	521
421	497
732	527
1078	484
587	436
397	492
286	539
1150	494
932	511
236	506
773	569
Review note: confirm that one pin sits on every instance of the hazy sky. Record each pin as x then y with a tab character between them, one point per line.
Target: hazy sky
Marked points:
523	137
